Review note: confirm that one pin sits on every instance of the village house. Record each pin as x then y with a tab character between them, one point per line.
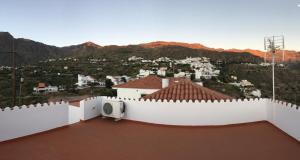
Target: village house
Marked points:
163	59
139	87
146	61
186	90
166	88
143	86
118	79
206	73
144	73
84	80
135	58
183	75
247	88
162	71
202	67
43	88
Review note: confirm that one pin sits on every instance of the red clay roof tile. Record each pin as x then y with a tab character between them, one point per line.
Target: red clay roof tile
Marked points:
41	85
186	90
149	82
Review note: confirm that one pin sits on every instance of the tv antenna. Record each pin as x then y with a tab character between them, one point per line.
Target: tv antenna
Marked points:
273	44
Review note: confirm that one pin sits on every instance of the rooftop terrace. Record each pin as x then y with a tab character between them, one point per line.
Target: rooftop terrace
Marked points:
105	139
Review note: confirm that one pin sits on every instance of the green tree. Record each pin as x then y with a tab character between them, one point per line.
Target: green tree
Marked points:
108	83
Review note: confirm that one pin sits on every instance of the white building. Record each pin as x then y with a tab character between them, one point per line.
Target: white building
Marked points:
135	58
246	83
162	71
243	83
206	73
118	79
202	67
140	87
179	74
233	77
163	59
84	80
183	75
146	61
42	88
256	93
144	73
190	60
247	88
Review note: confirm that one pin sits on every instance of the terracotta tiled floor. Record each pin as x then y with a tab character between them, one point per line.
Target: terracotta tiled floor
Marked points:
105	139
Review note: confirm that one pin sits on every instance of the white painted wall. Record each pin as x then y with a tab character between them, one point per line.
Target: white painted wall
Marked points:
90	108
74	114
195	113
286	117
24	121
133	92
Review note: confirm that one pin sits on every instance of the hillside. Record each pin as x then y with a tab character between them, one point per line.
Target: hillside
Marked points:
30	52
289	54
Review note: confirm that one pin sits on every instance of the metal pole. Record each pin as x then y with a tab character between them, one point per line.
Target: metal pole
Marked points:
20	91
273	67
283	54
283	49
271	44
13	74
273	73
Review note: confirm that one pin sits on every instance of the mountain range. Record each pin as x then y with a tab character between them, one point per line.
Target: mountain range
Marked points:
30	52
289	55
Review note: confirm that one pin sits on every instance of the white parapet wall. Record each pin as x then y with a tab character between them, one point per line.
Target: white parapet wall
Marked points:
90	108
74	114
285	116
195	113
26	120
21	121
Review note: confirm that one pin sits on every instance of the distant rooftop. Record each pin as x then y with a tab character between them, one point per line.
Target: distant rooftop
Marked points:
41	85
186	90
149	82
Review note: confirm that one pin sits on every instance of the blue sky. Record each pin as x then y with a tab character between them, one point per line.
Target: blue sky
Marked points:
215	23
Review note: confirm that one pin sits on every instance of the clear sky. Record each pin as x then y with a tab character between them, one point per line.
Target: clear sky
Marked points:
215	23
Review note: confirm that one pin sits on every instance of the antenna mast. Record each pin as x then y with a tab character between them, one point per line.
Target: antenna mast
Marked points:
272	44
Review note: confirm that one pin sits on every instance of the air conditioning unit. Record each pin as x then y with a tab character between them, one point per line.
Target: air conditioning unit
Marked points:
114	109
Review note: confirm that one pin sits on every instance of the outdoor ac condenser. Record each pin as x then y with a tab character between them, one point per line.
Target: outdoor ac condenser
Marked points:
114	109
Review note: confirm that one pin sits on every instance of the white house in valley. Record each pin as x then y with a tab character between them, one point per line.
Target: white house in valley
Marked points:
206	72
162	71
84	80
43	88
118	79
144	73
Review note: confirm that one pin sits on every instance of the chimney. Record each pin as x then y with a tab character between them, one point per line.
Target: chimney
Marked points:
165	82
